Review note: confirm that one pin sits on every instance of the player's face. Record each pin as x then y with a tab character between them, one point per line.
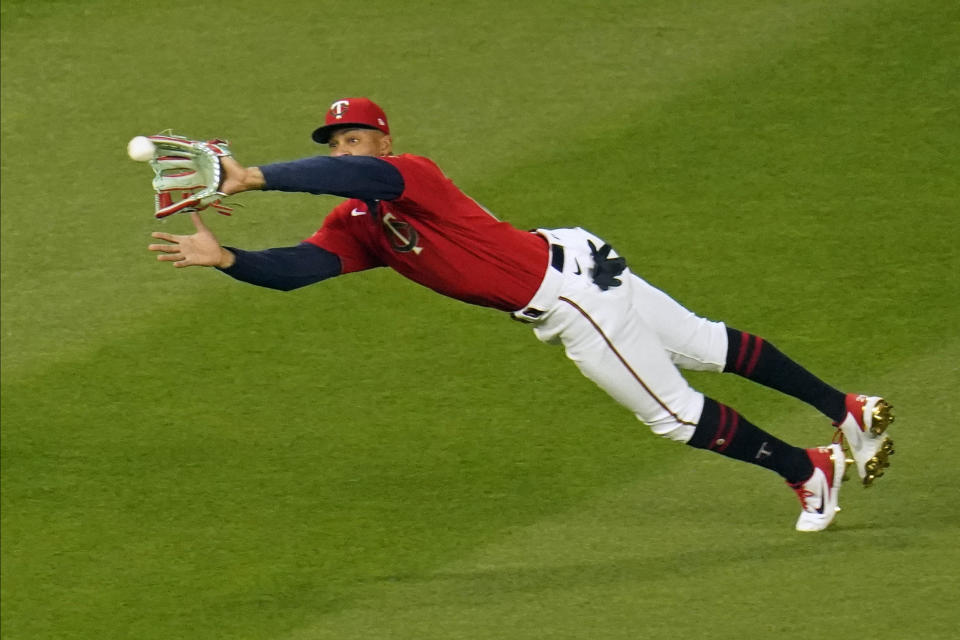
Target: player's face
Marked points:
359	142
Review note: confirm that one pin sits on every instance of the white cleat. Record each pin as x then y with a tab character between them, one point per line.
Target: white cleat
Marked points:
819	494
864	429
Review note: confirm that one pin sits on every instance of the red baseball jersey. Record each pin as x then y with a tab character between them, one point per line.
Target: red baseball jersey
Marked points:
438	236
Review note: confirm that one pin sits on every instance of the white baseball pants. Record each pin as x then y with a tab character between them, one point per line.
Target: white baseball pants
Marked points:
630	340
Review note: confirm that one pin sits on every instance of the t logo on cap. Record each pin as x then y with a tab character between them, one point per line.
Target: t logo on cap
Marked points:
339	107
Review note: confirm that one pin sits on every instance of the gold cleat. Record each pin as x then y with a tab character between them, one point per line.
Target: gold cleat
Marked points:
887	448
881	417
864	431
877	465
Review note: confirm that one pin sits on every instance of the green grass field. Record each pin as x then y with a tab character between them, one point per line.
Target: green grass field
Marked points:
185	456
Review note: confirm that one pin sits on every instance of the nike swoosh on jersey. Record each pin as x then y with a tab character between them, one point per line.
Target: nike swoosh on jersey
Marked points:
358	212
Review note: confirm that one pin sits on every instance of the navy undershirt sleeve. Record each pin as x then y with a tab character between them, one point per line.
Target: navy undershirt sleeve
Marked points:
361	177
284	268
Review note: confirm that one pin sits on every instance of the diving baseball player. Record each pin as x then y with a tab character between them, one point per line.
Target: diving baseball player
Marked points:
569	285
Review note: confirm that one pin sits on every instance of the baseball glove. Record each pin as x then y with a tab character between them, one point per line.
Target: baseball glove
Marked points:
187	174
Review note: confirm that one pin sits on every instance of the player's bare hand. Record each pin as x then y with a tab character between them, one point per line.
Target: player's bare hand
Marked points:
198	249
237	178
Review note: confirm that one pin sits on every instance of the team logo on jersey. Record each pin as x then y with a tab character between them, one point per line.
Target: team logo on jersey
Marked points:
401	235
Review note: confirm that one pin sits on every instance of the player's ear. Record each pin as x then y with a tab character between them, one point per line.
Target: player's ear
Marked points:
386	146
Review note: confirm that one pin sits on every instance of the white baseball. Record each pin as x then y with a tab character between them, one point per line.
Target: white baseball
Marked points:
141	149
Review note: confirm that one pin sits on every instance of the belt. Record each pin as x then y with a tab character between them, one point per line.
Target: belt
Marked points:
531	314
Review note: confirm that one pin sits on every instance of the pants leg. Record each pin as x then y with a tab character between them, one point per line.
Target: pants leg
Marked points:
612	345
691	342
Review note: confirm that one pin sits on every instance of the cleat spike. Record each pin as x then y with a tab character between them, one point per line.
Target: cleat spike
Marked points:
881	417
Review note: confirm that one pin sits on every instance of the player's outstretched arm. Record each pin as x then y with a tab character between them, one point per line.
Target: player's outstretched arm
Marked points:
200	249
281	268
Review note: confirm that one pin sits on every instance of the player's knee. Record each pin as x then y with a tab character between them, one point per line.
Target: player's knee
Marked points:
671	428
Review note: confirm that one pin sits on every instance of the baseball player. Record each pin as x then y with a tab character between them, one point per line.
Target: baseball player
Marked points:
569	285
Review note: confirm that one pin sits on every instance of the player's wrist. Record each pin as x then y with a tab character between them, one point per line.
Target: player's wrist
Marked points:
227	259
253	179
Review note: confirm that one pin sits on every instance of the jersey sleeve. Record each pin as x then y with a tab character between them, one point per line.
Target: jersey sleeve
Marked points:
338	236
283	268
361	177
